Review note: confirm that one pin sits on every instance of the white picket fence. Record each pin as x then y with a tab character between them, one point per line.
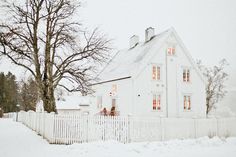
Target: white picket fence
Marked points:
68	129
10	115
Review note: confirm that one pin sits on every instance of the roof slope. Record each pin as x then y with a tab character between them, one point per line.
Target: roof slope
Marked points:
126	62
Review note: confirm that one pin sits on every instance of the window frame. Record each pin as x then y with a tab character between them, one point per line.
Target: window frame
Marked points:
157	72
158	100
188	98
172	47
186	75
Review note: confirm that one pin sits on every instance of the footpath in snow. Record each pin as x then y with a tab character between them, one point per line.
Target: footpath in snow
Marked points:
16	140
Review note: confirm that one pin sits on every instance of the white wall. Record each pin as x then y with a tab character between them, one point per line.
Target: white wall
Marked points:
123	96
144	86
195	88
135	95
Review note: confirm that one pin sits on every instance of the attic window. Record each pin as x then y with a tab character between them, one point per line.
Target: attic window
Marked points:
171	50
156	72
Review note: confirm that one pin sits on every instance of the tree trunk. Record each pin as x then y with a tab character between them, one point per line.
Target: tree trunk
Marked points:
49	99
208	104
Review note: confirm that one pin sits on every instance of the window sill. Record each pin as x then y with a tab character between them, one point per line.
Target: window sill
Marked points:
156	80
187	110
186	83
160	111
169	55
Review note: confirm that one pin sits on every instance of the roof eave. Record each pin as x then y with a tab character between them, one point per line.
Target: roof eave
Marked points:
112	80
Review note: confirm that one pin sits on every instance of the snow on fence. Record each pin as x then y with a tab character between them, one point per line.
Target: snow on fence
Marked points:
68	129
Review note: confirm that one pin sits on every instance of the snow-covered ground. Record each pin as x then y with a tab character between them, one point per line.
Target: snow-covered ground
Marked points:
16	140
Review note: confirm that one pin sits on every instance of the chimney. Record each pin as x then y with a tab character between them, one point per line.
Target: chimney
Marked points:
133	41
149	33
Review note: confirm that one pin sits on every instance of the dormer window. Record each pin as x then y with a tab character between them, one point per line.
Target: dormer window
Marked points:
171	51
156	72
186	75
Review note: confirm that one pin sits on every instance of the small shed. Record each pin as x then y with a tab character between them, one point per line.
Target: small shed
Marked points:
73	104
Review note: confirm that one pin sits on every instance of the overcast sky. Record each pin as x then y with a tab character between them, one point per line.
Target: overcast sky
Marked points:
207	27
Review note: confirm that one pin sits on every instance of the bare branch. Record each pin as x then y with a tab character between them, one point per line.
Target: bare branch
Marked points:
215	88
42	37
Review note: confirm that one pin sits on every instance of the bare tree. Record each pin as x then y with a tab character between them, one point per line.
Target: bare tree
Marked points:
215	87
42	37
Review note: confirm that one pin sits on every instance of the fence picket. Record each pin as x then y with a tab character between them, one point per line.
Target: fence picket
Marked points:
68	129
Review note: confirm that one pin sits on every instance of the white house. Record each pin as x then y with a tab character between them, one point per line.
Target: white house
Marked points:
157	77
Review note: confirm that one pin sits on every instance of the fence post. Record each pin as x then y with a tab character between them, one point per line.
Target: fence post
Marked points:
51	134
87	128
195	126
44	117
129	128
217	126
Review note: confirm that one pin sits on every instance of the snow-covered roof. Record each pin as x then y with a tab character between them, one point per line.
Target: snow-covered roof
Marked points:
128	61
72	102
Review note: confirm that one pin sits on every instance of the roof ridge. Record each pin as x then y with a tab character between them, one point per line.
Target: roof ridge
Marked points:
121	63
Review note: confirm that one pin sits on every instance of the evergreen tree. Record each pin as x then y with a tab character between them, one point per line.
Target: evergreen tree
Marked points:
8	92
2	90
29	95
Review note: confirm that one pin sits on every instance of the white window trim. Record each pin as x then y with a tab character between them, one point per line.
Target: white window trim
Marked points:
171	45
191	102
161	104
161	72
190	74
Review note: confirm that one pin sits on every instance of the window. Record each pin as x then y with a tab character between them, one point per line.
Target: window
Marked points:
113	90
171	51
187	103
156	102
186	75
99	102
113	102
156	72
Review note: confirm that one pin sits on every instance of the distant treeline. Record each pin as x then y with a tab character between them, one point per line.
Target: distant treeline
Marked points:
24	93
